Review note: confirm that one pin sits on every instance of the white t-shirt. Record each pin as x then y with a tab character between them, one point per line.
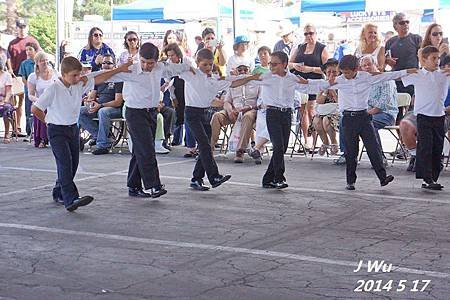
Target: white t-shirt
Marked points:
63	103
430	89
5	80
41	84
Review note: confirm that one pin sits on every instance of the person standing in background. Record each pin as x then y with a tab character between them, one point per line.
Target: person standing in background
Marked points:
95	49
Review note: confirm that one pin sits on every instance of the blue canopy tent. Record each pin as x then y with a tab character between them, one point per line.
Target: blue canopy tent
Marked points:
369	5
150	10
332	5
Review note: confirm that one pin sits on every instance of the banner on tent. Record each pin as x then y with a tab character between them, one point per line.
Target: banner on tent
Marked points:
367	16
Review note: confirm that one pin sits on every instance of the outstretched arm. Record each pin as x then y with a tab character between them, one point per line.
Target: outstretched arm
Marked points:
245	80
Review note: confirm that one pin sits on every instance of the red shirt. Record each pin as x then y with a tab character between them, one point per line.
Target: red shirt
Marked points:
16	50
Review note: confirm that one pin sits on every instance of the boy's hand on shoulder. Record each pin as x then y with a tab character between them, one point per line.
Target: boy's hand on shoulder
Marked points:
446	71
412	71
84	79
256	76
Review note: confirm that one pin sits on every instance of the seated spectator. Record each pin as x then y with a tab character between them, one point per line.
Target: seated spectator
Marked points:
159	135
168	113
6	108
240	100
326	120
43	77
382	100
105	103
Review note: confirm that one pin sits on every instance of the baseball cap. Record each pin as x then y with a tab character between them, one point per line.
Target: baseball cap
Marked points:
240	39
21	22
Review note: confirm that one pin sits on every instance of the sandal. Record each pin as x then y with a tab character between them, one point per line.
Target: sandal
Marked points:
42	145
6	140
323	149
334	149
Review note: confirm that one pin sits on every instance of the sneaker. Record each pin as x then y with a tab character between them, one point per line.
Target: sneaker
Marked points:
256	155
159	149
100	151
385	162
198	185
157	191
166	145
281	185
432	186
323	150
92	142
412	164
219	180
340	161
27	139
350	186
401	154
387	180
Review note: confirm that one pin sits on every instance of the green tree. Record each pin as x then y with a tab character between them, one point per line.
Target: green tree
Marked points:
95	7
43	28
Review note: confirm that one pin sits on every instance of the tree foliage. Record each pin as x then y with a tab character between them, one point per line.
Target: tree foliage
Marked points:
95	7
43	28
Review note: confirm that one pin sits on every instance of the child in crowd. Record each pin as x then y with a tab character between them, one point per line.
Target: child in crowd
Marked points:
430	87
201	88
262	135
354	88
62	100
25	69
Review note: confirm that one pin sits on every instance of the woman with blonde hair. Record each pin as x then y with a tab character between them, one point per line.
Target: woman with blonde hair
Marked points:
370	44
434	36
44	75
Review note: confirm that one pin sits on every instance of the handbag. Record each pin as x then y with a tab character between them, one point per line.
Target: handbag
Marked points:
235	134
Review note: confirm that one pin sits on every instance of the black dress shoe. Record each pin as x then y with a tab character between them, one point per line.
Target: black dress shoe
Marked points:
199	185
219	180
80	201
100	151
386	181
412	164
138	192
269	185
281	185
432	186
350	186
158	191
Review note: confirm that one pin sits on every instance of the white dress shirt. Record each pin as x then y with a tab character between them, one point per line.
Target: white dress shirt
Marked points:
244	95
200	90
63	103
142	89
279	91
353	94
430	89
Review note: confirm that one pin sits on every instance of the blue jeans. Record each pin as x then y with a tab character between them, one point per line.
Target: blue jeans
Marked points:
100	130
379	121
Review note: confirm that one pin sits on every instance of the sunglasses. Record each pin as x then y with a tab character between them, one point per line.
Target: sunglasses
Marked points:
97	35
403	22
242	69
107	63
308	33
132	39
437	33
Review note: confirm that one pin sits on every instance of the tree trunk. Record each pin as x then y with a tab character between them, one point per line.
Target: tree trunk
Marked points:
11	16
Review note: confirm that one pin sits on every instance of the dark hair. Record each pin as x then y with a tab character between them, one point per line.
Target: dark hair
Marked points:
446	60
427	37
32	45
264	48
125	44
90	39
149	51
108	55
426	51
348	62
330	62
170	31
283	57
175	48
204	54
69	64
207	31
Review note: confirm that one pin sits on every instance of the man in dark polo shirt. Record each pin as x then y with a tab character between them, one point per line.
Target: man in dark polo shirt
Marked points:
17	54
105	103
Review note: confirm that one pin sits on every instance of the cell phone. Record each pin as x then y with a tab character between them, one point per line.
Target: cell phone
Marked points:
213	43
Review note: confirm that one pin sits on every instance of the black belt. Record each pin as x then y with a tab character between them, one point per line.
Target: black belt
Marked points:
282	109
349	113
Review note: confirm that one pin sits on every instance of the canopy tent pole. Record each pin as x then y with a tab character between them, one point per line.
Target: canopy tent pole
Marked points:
59	30
233	7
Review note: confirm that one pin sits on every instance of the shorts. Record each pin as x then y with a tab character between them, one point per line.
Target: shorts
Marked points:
409	116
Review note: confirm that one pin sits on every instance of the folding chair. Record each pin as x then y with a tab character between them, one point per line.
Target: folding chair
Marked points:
403	102
447	138
296	128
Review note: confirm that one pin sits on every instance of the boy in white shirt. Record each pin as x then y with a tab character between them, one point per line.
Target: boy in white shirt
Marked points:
200	89
354	87
431	87
277	91
62	100
141	90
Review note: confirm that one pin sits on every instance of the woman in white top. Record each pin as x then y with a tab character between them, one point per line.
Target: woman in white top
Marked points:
6	108
131	44
44	75
370	44
241	55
